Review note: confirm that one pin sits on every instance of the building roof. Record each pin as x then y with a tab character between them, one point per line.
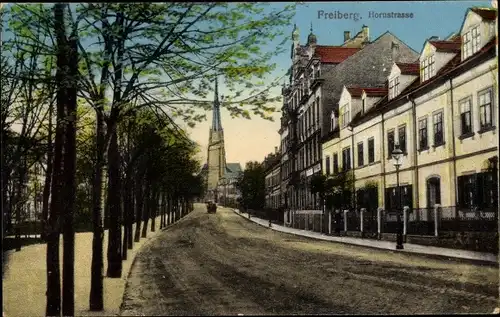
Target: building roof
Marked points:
233	170
485	13
370	92
334	54
451	46
409	68
368	67
453	64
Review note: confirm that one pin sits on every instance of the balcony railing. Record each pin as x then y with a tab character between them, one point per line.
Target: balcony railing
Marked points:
316	82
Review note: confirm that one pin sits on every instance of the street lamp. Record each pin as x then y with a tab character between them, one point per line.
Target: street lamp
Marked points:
397	156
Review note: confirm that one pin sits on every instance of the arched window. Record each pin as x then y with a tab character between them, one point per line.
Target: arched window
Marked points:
433	191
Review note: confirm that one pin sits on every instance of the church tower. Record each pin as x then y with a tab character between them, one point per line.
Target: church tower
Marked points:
216	158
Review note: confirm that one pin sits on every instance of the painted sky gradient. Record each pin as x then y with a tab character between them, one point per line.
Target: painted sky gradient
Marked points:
251	140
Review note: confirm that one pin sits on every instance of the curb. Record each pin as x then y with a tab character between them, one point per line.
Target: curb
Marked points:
431	256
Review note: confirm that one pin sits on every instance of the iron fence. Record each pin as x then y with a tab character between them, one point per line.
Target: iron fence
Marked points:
353	221
370	223
461	220
390	222
420	222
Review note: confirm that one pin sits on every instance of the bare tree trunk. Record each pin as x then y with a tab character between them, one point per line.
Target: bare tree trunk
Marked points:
130	238
171	209
48	174
53	307
19	200
70	181
146	211
96	301
154	212
138	210
114	202
5	181
128	209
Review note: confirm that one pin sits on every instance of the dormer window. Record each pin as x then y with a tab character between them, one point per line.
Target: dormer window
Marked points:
427	68
471	42
476	39
333	121
393	87
345	116
317	72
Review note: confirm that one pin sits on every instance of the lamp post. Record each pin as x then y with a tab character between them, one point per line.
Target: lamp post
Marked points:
397	156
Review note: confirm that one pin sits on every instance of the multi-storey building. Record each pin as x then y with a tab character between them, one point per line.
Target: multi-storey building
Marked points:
272	169
441	110
310	101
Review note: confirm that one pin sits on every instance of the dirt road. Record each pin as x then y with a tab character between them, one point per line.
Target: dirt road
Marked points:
222	264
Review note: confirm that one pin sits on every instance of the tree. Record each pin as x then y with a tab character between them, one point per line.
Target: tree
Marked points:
338	190
183	47
252	186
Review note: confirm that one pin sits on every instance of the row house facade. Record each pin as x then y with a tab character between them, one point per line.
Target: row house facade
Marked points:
302	118
441	109
272	172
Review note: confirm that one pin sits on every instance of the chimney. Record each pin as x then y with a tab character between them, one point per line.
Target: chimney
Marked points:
366	32
394	51
275	149
434	38
347	36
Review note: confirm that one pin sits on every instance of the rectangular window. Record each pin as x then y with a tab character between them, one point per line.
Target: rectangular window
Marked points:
345	116
476	39
402	138
424	71
467	45
422	134
432	66
346	159
465	116
327	165
335	163
394	87
314	113
390	143
427	68
485	109
371	150
438	128
317	111
361	157
333	121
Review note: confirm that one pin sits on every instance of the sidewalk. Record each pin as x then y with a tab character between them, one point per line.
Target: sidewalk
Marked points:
24	280
388	245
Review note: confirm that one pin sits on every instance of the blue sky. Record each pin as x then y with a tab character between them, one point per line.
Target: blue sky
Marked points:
248	140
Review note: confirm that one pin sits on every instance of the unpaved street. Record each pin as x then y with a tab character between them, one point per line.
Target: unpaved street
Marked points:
222	264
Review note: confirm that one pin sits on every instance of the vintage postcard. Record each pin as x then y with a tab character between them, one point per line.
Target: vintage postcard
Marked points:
250	158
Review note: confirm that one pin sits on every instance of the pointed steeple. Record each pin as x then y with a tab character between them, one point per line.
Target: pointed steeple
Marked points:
216	122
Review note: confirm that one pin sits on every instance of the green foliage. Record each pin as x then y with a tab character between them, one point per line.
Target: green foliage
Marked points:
317	184
338	190
252	186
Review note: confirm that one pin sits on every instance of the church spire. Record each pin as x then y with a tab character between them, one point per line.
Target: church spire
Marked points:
216	122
